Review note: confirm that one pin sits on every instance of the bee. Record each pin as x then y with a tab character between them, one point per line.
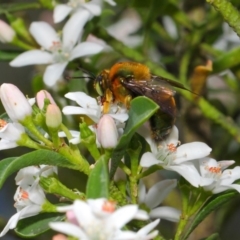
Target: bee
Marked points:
127	80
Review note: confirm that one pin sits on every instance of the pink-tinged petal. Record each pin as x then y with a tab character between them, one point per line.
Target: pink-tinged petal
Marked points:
167	213
190	151
41	96
107	133
7	33
148	228
158	192
14	102
188	171
69	229
92	8
122	216
60	12
32	57
205	164
44	34
53	73
84	49
148	160
74	26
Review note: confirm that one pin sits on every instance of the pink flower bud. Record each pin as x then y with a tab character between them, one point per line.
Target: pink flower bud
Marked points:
41	95
107	133
6	32
53	116
14	102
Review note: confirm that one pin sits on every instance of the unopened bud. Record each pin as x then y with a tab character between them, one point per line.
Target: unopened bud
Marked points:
7	33
41	96
14	102
107	133
53	117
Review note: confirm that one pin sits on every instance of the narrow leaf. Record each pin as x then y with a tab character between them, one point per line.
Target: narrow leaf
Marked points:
98	181
11	165
212	204
141	110
36	225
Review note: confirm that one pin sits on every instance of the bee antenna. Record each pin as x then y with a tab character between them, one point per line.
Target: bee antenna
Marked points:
92	76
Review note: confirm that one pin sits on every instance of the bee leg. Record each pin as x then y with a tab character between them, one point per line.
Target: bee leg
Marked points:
127	101
108	101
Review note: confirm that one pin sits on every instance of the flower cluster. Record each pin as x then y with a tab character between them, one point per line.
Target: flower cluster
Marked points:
29	197
99	219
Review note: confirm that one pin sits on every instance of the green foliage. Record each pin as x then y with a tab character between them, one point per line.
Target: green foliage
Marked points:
137	116
36	225
13	164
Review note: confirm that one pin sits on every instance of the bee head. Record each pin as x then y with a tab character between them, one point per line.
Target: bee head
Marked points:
101	82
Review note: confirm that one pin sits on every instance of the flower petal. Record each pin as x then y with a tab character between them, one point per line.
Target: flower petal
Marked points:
190	151
92	8
84	49
167	213
149	227
122	216
53	73
188	171
44	34
60	12
73	27
32	57
148	160
158	192
69	229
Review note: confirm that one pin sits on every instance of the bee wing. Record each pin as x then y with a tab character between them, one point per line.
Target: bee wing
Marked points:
156	89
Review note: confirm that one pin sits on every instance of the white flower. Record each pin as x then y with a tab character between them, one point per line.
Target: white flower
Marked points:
7	33
61	11
90	107
141	234
29	200
125	32
155	195
177	158
56	52
216	178
28	175
97	219
14	102
10	134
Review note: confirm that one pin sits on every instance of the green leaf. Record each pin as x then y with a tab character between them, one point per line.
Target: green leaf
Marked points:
141	110
36	225
13	164
227	60
212	204
98	182
214	236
